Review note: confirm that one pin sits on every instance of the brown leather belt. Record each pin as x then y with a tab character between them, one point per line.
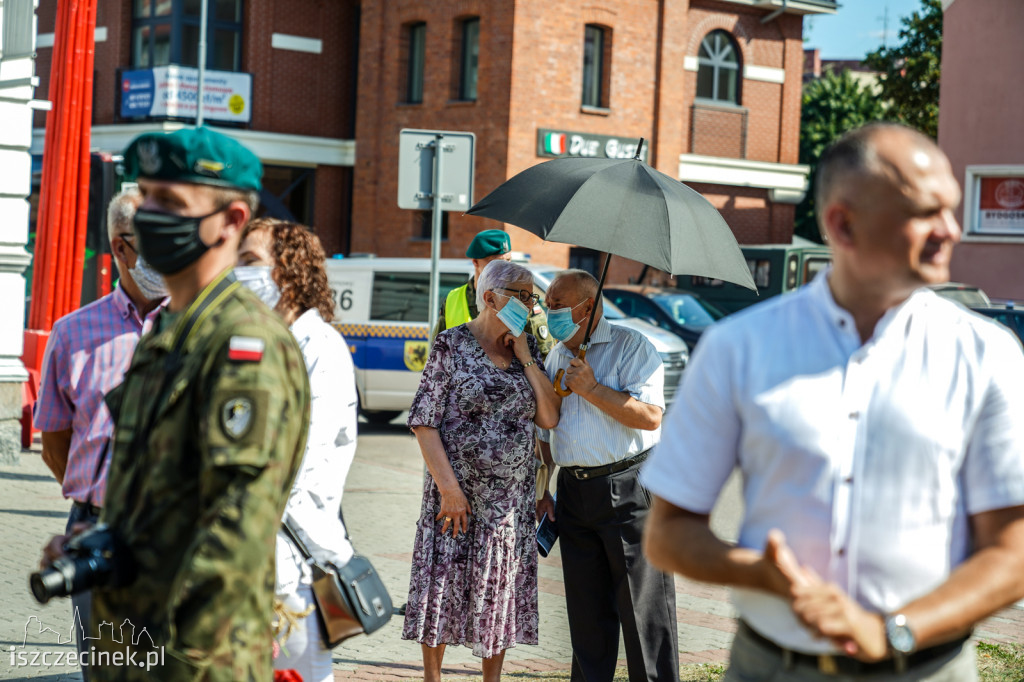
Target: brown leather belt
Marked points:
586	473
836	664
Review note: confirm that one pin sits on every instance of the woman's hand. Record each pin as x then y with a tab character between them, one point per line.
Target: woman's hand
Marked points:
455	511
519	346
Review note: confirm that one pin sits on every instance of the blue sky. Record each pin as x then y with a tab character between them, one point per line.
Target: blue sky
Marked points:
856	28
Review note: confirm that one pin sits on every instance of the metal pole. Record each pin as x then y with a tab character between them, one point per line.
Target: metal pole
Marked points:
435	235
203	16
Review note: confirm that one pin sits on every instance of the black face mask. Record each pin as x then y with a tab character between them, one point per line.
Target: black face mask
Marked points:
171	242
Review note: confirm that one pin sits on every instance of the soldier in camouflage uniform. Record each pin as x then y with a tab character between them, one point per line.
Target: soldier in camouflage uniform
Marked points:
459	306
210	428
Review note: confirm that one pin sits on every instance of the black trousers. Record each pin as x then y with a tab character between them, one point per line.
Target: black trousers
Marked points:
609	583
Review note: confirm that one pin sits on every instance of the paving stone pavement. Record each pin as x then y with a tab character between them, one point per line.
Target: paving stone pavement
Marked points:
382	501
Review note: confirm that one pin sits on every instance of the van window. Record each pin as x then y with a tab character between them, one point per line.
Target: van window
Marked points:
761	271
813	266
405	296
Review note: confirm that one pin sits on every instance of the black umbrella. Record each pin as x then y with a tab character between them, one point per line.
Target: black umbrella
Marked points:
623	207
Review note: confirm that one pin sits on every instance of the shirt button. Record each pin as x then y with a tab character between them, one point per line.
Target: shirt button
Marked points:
855	415
842	551
848	480
842	322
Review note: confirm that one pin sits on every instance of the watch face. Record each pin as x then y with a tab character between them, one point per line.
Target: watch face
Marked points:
901	639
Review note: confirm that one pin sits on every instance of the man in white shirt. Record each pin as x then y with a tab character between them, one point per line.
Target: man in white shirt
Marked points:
605	429
878	431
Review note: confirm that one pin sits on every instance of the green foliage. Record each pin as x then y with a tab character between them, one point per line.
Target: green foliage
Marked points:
910	70
832	105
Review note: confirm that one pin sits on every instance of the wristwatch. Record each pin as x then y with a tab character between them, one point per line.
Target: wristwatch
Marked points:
901	640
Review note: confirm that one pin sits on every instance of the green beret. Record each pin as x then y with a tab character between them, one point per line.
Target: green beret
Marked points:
194	155
489	243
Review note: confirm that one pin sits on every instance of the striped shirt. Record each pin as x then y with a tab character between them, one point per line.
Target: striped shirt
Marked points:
623	360
88	352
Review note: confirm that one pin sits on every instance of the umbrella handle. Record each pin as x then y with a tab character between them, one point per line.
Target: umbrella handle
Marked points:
557	383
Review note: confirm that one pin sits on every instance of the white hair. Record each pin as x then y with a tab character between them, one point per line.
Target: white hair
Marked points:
500	273
121	210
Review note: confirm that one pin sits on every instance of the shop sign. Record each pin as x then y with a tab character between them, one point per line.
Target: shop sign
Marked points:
171	92
560	143
1000	205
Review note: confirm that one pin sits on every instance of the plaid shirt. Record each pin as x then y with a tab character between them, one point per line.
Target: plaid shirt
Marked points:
88	352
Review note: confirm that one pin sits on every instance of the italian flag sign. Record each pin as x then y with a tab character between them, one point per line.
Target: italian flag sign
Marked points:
554	143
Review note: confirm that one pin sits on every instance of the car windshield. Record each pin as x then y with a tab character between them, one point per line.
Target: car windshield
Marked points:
688	310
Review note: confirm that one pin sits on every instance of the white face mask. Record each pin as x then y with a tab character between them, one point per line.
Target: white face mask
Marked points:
258	280
151	284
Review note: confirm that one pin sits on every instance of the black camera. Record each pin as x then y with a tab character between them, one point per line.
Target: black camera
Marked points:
91	559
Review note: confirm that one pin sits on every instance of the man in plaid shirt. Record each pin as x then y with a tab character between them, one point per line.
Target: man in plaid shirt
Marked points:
88	352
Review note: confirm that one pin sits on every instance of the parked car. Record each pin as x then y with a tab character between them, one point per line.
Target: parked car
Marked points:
964	294
1009	316
683	313
382	310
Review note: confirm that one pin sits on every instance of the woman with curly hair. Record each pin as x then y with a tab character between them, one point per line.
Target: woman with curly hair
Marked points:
284	264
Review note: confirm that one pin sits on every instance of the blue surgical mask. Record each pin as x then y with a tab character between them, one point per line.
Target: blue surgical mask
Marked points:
257	279
560	322
514	314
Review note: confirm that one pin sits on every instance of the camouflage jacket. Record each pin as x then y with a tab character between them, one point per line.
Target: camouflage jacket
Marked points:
536	323
204	453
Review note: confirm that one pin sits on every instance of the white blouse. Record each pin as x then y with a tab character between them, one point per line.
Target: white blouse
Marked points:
330	447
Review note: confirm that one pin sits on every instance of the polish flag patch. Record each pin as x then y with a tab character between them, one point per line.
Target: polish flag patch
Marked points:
245	349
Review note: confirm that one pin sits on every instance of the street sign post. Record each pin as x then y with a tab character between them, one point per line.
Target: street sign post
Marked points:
435	171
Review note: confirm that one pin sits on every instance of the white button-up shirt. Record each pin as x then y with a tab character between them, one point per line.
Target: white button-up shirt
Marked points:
869	457
623	360
330	447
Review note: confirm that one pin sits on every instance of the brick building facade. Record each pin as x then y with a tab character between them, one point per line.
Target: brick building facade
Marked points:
713	85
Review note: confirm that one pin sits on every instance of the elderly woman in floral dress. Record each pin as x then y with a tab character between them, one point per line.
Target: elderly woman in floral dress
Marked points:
474	569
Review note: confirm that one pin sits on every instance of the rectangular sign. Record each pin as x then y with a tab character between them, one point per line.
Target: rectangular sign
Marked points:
559	143
1000	208
171	92
416	150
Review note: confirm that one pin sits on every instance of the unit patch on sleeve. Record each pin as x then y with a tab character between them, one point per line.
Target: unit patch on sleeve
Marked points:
236	417
245	349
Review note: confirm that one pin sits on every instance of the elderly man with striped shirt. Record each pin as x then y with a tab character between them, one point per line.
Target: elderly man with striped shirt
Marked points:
607	425
88	352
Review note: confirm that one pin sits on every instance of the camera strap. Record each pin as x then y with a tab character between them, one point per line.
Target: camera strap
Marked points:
208	300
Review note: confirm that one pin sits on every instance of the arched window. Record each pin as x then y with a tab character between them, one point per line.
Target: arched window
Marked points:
718	68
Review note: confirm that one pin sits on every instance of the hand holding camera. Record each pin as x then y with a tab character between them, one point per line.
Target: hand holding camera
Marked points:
91	557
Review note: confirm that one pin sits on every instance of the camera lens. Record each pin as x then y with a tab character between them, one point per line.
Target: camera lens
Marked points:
46	585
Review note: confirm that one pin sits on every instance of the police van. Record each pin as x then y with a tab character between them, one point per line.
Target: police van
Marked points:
382	308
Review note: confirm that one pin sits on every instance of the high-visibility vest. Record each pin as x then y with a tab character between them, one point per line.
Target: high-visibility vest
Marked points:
456	308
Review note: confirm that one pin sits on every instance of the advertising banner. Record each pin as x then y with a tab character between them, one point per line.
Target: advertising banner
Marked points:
1000	205
171	92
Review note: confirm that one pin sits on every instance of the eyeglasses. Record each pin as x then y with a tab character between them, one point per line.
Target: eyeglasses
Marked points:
524	295
126	239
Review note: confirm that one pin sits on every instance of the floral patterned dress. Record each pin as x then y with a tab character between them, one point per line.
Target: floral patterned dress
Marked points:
478	589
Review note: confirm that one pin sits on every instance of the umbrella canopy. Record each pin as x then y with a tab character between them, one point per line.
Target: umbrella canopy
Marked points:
623	207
